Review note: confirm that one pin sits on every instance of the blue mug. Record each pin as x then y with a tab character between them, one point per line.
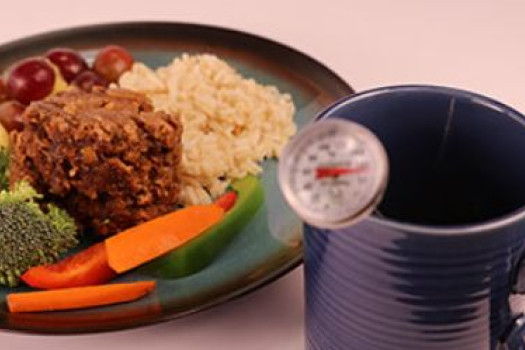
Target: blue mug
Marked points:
434	266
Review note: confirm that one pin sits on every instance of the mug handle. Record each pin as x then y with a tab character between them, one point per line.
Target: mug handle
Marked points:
514	337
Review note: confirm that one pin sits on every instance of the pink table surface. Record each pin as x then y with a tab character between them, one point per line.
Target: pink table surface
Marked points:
473	44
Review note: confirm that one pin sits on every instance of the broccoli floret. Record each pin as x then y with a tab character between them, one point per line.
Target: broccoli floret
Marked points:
28	235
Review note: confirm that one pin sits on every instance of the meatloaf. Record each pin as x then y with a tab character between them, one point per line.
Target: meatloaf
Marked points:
105	156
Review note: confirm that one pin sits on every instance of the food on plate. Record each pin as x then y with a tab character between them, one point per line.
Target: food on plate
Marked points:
4	163
227	200
159	236
4	94
31	79
112	61
60	82
29	235
35	78
160	164
201	251
4	158
230	123
106	156
87	267
4	139
69	62
78	298
11	115
88	79
91	266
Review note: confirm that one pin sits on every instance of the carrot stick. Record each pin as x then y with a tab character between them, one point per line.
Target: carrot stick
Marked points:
78	298
156	237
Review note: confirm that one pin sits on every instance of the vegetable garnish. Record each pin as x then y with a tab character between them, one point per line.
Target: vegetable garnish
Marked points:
147	241
78	298
227	200
201	251
87	267
91	266
29	236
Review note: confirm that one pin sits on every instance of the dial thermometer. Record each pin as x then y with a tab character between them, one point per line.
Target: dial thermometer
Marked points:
333	173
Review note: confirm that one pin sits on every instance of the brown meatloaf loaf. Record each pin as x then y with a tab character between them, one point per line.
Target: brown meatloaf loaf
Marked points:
105	156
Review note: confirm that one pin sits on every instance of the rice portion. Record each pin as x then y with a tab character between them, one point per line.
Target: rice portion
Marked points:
230	124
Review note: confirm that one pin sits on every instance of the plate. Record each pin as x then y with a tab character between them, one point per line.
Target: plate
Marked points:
270	245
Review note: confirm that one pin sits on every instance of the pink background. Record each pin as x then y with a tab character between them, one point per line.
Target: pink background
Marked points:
473	44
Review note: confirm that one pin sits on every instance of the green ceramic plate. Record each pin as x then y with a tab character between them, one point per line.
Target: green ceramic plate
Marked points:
271	243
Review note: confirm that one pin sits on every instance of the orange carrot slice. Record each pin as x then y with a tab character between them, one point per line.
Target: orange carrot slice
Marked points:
78	298
156	237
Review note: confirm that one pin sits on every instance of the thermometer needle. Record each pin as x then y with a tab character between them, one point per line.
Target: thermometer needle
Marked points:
323	172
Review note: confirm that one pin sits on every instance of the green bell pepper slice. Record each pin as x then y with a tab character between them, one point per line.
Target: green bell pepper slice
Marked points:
202	250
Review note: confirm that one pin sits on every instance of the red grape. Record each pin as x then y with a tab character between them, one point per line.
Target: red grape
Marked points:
30	80
11	115
68	61
87	79
111	61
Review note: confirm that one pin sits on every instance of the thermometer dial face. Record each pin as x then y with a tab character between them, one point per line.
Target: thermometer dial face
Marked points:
333	172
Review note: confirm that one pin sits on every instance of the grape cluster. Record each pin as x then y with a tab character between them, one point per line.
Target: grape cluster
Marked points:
35	78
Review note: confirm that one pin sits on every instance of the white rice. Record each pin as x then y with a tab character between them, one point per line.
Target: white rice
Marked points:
230	124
